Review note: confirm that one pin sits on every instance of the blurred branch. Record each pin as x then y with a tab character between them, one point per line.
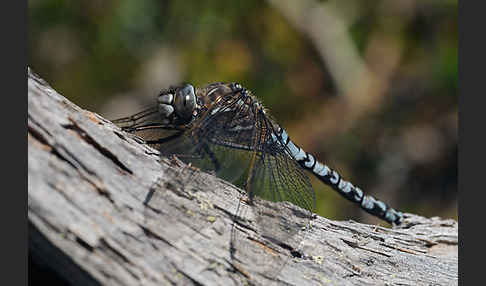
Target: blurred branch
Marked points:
328	32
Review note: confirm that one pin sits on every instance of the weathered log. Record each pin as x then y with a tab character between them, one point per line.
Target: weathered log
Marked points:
87	184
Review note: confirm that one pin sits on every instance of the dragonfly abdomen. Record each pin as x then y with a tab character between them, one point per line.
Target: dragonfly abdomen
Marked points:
332	178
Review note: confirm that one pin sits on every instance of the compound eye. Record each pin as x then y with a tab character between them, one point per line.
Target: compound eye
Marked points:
185	102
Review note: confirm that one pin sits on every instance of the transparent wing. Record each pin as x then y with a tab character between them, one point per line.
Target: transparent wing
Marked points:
279	178
145	117
276	182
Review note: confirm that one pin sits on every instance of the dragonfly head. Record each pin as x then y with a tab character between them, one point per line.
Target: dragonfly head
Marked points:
178	104
185	102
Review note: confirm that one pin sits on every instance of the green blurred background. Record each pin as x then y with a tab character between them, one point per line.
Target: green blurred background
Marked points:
369	87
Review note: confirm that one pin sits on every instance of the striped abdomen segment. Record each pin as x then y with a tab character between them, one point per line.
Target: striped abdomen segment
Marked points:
333	179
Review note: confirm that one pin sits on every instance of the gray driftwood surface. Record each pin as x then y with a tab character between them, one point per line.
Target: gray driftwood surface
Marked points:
87	183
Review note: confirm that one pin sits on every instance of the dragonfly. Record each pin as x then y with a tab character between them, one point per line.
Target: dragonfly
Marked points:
224	129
